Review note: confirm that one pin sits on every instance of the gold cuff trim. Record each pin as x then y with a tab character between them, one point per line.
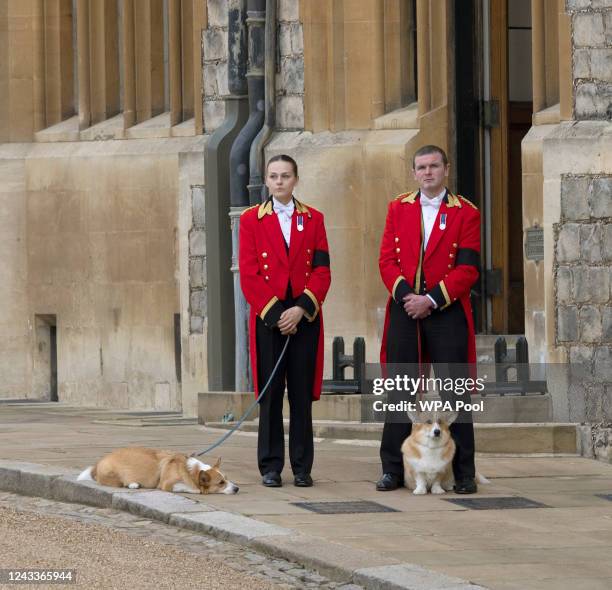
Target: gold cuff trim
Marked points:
313	298
446	295
397	282
266	309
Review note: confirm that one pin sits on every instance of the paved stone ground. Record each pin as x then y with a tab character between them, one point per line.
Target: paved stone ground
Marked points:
40	525
563	546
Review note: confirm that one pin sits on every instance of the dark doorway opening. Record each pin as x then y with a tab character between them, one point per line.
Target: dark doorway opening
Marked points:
44	377
467	129
177	347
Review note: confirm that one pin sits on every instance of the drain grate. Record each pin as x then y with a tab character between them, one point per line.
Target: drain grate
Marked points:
503	503
605	496
356	507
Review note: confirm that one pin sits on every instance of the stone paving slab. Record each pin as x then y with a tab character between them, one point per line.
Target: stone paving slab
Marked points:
409	577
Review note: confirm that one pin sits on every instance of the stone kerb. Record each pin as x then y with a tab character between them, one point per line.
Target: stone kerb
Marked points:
337	561
156	504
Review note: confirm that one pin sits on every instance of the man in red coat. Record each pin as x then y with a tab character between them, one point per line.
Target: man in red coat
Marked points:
284	274
429	260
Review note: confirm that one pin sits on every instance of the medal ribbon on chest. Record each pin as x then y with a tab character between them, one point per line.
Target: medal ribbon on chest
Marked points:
300	222
442	220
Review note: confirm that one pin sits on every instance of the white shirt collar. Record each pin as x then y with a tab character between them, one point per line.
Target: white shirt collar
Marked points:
280	207
433	202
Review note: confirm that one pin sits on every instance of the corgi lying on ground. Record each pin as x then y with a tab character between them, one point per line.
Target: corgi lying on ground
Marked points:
428	454
138	467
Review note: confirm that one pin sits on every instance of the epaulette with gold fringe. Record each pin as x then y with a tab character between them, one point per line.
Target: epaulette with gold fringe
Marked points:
408	197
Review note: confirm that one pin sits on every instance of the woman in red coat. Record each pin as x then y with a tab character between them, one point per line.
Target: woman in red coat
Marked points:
284	274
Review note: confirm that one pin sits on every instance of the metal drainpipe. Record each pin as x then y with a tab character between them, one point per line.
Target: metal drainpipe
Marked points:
239	176
257	189
220	290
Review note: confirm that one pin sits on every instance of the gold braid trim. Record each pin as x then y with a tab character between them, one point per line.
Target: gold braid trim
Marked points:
446	295
313	298
267	308
397	282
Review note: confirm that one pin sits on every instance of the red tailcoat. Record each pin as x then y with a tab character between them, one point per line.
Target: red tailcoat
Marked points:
449	264
266	270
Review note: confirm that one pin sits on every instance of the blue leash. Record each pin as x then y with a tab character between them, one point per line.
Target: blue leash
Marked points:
250	409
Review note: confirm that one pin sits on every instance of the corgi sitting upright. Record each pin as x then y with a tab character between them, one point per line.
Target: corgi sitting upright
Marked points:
428	454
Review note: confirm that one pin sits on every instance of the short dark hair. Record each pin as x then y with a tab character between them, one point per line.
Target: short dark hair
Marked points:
283	158
426	150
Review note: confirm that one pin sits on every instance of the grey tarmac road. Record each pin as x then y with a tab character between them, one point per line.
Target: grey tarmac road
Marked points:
112	549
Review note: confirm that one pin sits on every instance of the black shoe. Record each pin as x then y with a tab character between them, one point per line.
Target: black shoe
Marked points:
272	479
465	486
389	482
302	480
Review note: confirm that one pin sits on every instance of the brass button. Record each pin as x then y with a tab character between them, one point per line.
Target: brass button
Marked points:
455	244
264	254
308	250
451	255
450	266
307	274
397	249
397	239
267	278
308	262
265	267
398	260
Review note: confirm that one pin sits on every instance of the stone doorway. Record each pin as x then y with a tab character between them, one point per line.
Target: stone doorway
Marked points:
44	369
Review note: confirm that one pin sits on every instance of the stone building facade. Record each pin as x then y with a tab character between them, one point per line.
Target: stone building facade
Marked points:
102	200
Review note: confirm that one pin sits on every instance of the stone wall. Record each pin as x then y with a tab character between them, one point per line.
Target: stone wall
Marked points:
592	58
197	263
583	267
214	56
581	157
15	325
89	236
289	68
290	77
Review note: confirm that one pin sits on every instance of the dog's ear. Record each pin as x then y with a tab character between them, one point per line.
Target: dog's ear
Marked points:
415	417
450	417
203	477
217	464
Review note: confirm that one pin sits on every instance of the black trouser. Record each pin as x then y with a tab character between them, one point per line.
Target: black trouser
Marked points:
444	338
297	370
